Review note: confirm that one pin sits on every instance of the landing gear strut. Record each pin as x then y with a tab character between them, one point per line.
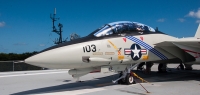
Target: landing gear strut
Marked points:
162	68
121	81
126	77
188	66
181	66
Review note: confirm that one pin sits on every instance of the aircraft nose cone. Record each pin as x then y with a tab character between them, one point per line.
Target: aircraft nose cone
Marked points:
29	60
33	60
63	57
43	59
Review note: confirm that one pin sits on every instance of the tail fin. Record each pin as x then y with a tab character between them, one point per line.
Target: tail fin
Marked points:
197	35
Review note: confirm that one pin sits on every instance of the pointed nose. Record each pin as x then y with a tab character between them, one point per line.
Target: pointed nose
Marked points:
45	59
65	57
36	60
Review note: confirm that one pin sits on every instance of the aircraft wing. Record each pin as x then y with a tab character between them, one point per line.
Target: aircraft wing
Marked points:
187	49
194	43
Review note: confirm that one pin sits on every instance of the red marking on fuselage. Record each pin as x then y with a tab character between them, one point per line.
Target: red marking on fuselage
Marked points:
141	38
143	50
127	50
124	39
197	54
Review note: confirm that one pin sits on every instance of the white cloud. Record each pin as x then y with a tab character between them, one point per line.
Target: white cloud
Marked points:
194	14
2	24
181	19
161	20
198	21
42	45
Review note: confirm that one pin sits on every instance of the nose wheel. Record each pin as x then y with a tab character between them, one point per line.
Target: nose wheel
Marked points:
129	79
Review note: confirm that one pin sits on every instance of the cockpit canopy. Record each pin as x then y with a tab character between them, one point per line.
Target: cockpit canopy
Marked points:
122	27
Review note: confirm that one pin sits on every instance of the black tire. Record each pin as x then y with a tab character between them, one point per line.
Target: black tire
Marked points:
119	81
160	70
129	79
160	67
182	67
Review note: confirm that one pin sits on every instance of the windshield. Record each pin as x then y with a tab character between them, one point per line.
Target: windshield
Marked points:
122	27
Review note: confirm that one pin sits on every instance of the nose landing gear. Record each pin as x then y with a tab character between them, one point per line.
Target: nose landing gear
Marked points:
181	66
126	77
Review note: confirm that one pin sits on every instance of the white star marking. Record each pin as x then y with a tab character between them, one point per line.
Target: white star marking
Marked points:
136	52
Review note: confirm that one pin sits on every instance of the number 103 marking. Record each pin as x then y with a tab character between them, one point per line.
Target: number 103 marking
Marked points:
89	48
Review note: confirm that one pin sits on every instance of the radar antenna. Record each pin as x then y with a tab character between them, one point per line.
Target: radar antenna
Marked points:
59	32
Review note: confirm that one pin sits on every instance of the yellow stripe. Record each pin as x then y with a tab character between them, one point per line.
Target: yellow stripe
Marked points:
120	57
115	47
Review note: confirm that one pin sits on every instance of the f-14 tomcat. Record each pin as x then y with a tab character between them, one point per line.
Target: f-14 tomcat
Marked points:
120	47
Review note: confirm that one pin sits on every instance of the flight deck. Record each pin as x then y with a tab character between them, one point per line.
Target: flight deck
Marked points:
58	82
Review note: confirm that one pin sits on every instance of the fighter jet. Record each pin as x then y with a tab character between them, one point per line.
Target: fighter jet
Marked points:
120	47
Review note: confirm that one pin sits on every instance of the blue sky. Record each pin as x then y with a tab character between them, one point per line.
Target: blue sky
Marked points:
25	25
